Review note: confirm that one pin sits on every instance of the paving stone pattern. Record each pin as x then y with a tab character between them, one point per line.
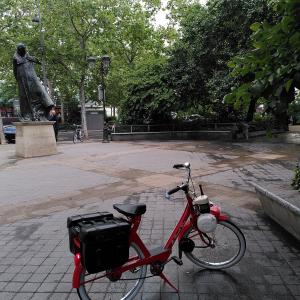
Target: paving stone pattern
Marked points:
35	262
239	177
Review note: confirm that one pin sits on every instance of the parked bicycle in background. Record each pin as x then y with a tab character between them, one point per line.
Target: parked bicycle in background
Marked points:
78	134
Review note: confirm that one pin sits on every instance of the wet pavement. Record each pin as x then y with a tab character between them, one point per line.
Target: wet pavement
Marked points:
37	196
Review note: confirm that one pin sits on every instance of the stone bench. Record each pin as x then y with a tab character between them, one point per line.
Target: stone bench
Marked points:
280	210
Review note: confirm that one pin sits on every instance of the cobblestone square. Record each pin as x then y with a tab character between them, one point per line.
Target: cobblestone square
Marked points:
35	262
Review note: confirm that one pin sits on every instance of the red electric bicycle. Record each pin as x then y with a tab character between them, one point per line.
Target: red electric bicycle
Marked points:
206	236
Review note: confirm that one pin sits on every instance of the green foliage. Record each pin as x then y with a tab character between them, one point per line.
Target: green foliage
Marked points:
272	68
74	30
7	91
211	36
294	109
147	81
14	28
269	133
149	99
195	77
296	179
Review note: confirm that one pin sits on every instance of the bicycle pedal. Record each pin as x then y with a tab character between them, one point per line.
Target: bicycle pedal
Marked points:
177	260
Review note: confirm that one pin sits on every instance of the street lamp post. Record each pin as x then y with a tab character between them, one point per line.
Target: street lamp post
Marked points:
105	61
38	19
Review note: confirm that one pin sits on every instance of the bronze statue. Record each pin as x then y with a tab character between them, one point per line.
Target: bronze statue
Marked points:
35	103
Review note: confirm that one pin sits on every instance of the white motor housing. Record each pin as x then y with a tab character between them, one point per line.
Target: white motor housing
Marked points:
207	223
203	203
200	200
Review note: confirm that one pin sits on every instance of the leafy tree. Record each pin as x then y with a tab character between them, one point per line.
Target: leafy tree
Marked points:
149	99
133	33
79	26
210	36
15	27
294	109
131	38
296	179
271	69
74	30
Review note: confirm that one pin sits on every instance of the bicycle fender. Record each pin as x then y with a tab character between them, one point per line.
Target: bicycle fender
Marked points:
77	271
216	211
223	217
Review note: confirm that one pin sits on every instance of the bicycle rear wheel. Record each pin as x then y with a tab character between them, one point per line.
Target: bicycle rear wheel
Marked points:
229	247
105	288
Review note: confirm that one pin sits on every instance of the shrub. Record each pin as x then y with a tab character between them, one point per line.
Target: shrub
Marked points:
296	180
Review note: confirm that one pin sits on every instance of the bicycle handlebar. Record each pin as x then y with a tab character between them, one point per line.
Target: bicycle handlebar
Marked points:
178	166
184	186
175	190
186	165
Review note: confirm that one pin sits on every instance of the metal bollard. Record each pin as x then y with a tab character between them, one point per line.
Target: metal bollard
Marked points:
105	134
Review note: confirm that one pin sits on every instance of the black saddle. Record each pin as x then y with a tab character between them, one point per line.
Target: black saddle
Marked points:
130	210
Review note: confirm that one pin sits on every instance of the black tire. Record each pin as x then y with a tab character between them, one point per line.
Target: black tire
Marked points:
103	288
230	247
75	138
81	136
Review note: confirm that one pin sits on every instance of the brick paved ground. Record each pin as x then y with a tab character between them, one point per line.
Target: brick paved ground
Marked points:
35	262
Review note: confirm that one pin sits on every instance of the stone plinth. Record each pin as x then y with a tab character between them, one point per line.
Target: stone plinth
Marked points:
35	139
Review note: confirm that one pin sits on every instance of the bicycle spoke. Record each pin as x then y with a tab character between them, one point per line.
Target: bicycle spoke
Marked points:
110	283
226	247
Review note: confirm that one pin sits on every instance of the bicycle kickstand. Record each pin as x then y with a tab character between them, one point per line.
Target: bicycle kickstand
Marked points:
165	279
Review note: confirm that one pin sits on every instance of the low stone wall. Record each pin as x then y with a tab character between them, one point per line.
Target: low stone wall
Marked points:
259	133
281	211
225	135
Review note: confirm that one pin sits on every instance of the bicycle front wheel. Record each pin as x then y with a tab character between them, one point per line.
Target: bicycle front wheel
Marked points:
75	138
81	136
126	287
229	246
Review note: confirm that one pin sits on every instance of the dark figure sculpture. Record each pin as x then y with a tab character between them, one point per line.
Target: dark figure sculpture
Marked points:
35	103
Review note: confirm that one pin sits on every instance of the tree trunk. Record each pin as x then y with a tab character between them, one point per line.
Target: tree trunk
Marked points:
282	121
2	136
83	111
62	111
281	113
51	90
251	110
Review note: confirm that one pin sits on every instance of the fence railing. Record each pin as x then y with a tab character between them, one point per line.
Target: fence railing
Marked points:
173	127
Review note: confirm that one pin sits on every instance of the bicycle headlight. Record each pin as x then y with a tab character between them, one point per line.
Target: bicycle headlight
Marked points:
207	223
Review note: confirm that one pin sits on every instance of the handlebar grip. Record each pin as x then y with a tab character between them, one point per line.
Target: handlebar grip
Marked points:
178	166
172	191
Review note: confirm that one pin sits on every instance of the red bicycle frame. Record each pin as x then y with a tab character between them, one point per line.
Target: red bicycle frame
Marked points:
187	220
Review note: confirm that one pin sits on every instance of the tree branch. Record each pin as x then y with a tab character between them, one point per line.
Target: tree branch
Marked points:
125	50
72	21
59	61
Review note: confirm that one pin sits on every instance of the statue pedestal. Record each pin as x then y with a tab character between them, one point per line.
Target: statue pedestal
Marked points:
35	139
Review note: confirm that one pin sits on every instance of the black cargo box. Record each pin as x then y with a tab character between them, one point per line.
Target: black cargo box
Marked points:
75	222
104	240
